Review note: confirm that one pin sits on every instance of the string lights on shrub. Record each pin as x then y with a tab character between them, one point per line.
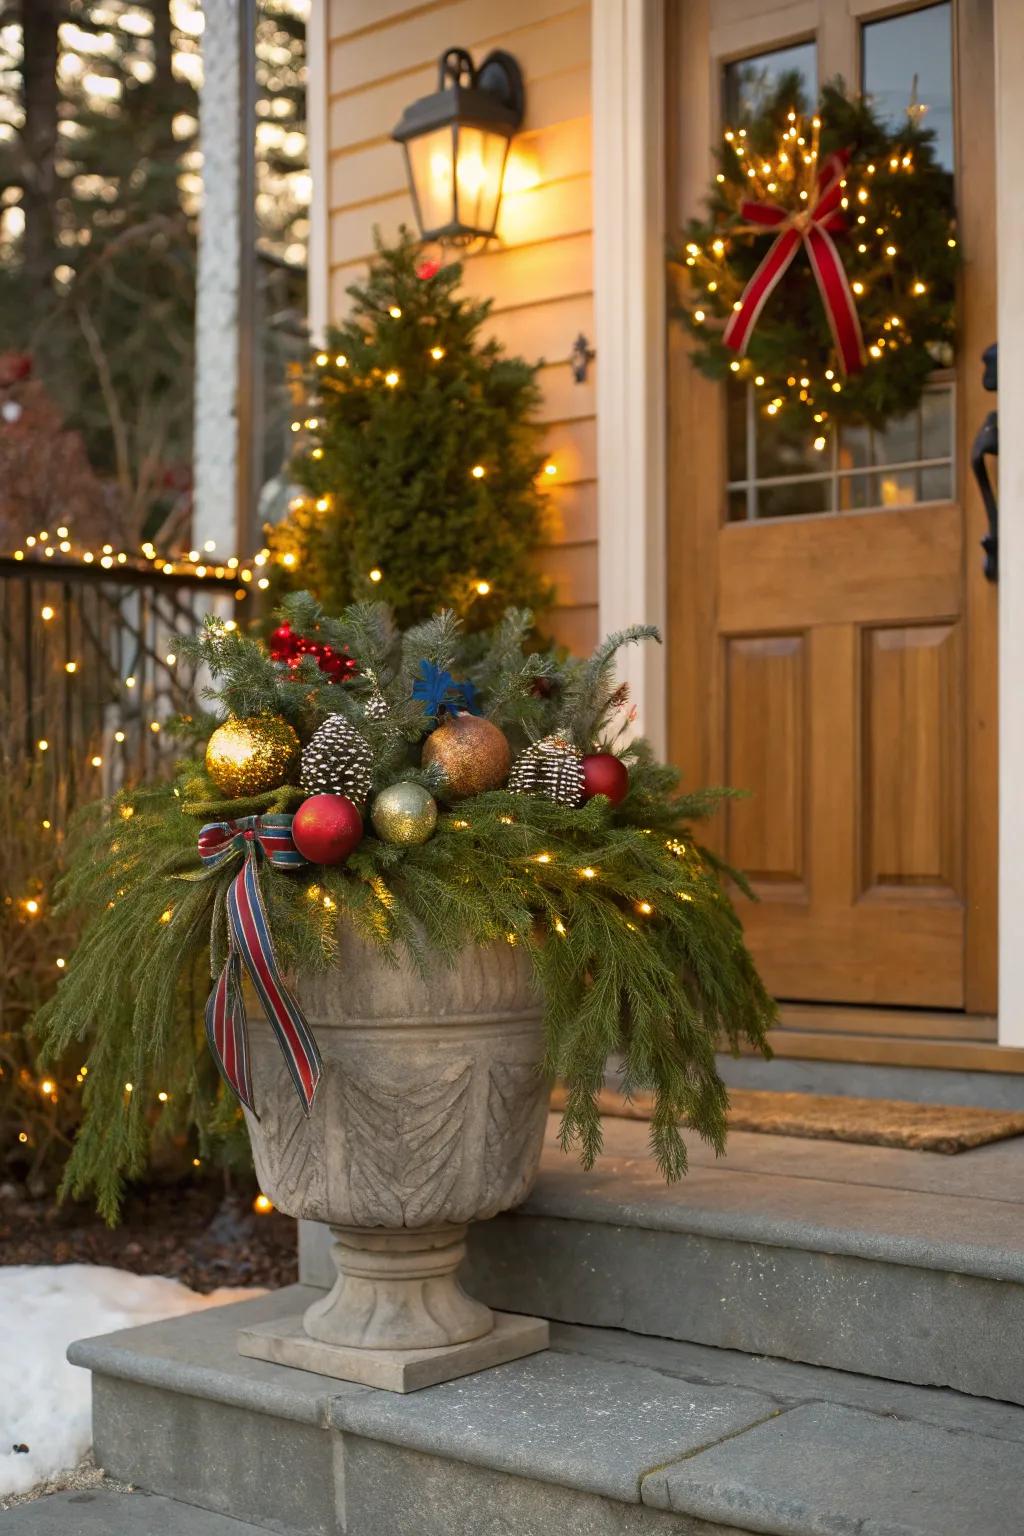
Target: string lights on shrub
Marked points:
410	410
824	274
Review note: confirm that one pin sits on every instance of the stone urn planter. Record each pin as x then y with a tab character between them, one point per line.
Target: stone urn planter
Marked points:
430	1115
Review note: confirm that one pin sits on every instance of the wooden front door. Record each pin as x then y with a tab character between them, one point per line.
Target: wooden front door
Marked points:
832	639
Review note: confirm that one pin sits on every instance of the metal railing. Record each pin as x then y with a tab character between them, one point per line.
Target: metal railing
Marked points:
89	672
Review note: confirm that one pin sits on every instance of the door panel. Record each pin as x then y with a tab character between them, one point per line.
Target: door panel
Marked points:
766	683
837	664
911	782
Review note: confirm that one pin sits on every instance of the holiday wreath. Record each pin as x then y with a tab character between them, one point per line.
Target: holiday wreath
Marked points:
825	270
434	789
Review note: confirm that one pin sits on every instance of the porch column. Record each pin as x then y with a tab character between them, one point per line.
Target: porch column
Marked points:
1009	53
224	280
629	305
318	144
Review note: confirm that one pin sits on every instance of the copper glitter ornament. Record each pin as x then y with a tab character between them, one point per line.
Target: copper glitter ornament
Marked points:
247	755
472	754
404	813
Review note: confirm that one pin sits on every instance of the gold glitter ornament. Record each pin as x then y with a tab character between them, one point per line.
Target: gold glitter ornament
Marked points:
404	813
472	754
252	753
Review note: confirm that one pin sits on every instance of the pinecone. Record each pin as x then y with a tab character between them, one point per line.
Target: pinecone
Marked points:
376	706
337	761
551	768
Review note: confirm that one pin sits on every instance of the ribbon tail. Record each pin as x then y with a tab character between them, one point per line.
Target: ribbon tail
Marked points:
227	1033
250	932
837	298
757	292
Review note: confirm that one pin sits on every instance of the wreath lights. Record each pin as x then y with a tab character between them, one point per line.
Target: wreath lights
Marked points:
825	271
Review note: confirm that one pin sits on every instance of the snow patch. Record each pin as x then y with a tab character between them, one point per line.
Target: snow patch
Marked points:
44	1401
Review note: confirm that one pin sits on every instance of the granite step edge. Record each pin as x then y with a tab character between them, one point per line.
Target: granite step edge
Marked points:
979	1261
136	1355
829	1470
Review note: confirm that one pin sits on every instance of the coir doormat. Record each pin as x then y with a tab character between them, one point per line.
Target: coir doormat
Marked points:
944	1128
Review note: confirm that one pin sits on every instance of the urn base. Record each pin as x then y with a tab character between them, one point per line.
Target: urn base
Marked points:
284	1341
398	1290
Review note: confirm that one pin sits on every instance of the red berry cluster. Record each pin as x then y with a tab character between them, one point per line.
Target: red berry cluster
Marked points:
287	646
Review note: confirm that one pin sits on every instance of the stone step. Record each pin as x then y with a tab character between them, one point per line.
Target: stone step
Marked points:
877	1069
95	1512
896	1264
602	1435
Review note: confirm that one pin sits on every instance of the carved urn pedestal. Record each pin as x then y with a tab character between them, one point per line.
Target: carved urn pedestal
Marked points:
430	1115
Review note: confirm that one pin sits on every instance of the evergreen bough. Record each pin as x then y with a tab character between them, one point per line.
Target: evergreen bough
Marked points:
626	920
405	401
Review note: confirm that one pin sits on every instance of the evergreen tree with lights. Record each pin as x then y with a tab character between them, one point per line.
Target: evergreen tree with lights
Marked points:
420	456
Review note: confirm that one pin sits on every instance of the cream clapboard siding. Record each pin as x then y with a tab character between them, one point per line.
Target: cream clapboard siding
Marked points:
382	54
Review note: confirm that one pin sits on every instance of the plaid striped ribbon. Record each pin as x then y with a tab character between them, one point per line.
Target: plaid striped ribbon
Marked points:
250	945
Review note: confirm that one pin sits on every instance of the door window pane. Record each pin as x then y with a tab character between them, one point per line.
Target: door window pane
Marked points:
907	67
782	474
774	471
749	83
793	500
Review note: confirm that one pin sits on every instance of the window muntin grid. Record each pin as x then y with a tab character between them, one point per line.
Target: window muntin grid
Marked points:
775	471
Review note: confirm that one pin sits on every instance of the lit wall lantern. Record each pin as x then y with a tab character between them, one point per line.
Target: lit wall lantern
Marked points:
456	145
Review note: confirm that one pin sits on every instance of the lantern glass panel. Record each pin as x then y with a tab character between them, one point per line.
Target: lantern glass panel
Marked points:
432	168
480	163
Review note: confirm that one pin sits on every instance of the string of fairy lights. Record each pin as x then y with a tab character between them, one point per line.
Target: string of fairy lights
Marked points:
197	563
789	178
48	1089
202	564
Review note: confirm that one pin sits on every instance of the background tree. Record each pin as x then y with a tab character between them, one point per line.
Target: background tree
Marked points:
422	459
101	169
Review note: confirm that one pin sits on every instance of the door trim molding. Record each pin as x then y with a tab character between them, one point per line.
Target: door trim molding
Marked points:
1009	111
629	309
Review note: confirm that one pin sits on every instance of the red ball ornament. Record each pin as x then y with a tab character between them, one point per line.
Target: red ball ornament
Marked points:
606	775
326	828
288	647
284	643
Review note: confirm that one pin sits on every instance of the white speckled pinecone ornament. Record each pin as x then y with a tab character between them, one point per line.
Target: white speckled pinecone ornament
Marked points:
552	769
337	761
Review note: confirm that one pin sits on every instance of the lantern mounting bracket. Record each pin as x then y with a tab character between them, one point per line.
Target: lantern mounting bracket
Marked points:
499	76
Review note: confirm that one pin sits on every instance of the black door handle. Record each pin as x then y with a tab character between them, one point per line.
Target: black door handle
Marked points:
986	444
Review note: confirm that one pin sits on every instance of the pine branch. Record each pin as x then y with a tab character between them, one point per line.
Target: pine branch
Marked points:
589	694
